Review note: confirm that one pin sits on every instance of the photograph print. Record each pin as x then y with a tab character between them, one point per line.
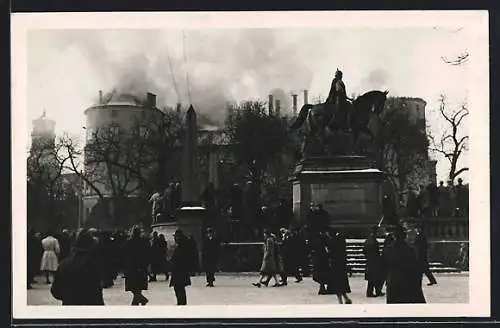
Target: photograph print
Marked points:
284	164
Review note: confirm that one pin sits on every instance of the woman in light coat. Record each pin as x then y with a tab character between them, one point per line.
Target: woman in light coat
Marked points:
270	266
49	261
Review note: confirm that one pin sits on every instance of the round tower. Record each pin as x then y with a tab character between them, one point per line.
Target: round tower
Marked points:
43	133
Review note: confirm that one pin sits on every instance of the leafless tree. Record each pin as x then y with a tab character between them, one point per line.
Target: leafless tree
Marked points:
452	143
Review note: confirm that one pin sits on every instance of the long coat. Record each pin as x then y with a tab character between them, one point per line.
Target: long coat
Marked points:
269	259
136	264
374	263
404	279
320	260
181	261
338	281
77	280
210	254
51	250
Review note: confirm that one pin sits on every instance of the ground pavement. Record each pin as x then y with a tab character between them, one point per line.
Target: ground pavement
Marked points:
237	289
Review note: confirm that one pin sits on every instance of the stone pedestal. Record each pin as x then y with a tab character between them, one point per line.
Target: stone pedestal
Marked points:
348	187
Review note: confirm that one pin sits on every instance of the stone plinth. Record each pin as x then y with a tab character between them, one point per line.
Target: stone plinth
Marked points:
348	187
191	220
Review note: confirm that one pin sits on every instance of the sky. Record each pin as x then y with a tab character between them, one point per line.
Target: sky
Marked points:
209	67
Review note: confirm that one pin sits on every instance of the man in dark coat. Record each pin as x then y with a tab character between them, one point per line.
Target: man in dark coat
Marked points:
373	269
180	263
422	257
64	244
404	279
34	251
291	258
319	249
77	280
210	256
338	281
137	251
156	257
323	218
194	257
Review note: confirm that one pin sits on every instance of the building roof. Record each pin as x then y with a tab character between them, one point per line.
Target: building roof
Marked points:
115	98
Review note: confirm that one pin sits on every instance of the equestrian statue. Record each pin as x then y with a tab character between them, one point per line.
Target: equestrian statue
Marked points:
339	113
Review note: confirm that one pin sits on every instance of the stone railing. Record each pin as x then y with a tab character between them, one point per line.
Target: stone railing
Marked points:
442	228
446	228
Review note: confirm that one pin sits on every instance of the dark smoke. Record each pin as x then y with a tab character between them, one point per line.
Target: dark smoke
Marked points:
221	66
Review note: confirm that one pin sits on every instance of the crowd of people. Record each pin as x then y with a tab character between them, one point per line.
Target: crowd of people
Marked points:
439	200
79	265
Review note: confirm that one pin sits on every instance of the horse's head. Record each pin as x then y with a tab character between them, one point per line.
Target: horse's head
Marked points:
374	100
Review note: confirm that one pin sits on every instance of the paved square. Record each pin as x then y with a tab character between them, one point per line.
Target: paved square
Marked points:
234	289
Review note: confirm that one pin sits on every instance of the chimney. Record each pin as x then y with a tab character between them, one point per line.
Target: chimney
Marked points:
151	99
271	100
278	107
178	108
294	101
100	97
306	100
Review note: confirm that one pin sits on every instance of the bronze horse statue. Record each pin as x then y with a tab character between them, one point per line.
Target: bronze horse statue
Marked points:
326	116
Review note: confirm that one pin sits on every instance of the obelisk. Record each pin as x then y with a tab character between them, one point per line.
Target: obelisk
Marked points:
190	165
191	215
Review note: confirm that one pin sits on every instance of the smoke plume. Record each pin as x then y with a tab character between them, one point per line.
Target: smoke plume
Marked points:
206	68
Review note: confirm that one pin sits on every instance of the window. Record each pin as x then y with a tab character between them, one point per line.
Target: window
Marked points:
90	133
114	130
143	131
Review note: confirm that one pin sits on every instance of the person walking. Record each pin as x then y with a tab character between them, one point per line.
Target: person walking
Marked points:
210	256
77	280
374	269
136	266
421	247
404	278
321	268
49	262
338	281
180	263
269	268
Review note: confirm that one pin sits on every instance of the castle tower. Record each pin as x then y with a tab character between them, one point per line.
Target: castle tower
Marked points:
43	134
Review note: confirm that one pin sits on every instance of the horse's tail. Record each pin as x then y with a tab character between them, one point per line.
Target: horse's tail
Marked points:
301	118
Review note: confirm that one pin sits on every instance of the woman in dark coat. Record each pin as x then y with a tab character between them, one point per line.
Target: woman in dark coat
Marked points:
404	279
374	266
77	280
180	262
319	249
338	281
136	266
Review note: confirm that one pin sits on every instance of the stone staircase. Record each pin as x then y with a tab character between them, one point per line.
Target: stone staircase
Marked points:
356	260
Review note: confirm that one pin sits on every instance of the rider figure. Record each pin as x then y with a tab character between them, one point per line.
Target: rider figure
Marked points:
338	97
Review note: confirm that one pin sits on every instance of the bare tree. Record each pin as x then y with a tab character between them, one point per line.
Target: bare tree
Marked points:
452	143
